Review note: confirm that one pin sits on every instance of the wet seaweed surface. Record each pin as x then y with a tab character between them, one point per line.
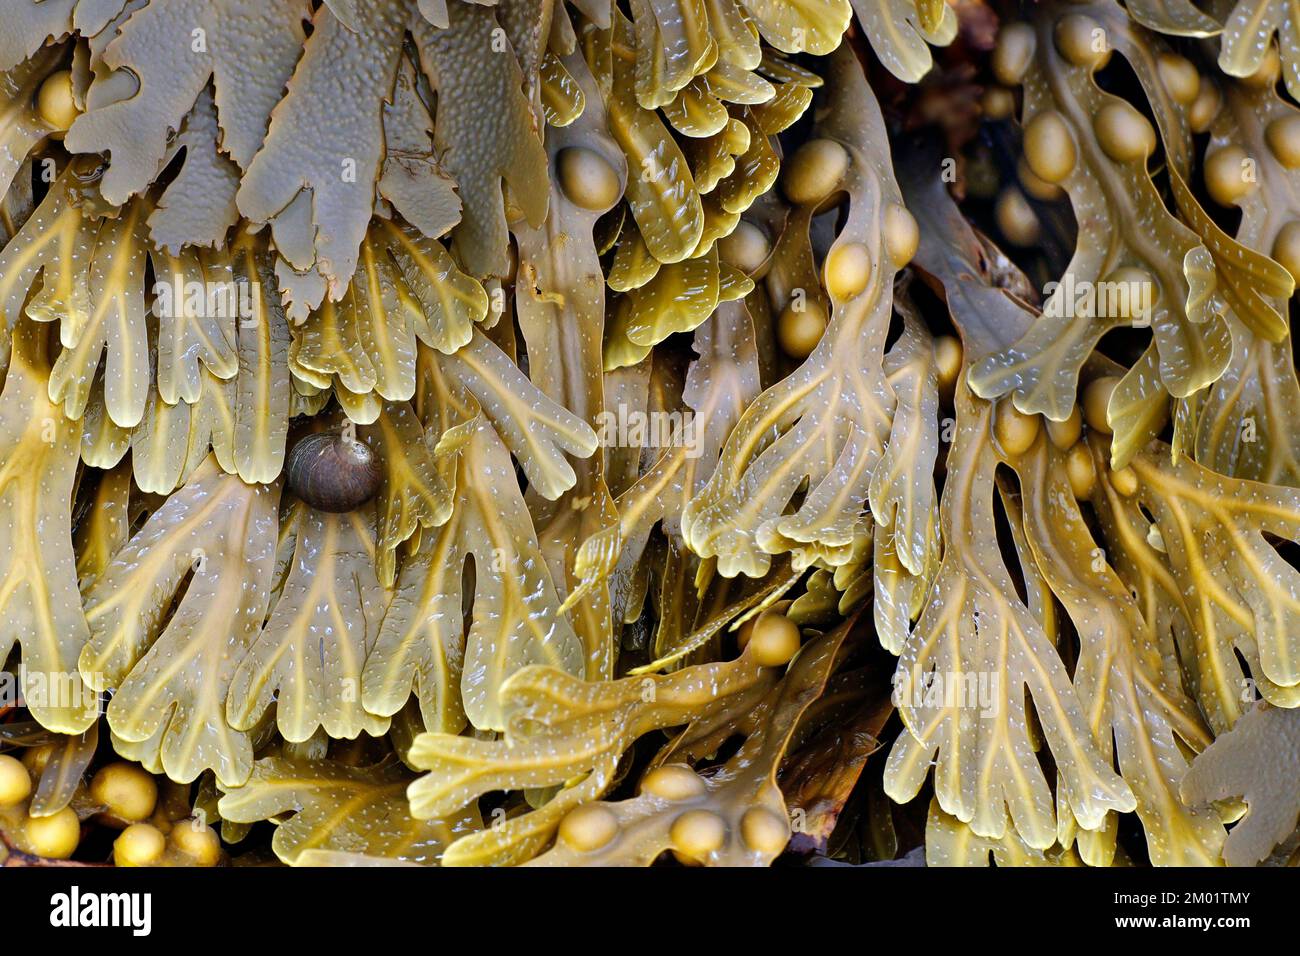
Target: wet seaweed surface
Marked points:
674	432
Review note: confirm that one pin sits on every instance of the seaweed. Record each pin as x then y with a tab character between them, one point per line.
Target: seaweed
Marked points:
563	433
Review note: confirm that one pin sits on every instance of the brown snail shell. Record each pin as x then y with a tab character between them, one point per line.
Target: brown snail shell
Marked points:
333	472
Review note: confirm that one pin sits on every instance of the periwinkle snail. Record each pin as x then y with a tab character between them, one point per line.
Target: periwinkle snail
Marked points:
333	471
